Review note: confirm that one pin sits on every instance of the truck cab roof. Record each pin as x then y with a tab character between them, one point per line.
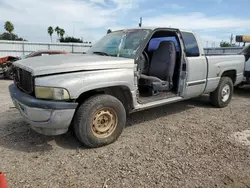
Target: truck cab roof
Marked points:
155	28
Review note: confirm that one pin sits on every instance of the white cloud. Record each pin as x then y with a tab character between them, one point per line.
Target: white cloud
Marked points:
90	19
37	15
177	7
124	3
197	21
212	29
99	1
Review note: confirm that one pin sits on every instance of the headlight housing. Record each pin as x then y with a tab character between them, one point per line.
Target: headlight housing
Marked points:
51	93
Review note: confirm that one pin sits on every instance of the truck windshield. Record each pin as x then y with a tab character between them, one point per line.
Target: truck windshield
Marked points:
120	43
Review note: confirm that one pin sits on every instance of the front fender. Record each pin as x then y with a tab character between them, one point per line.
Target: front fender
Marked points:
79	82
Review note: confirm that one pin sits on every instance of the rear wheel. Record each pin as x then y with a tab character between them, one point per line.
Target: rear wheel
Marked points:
222	96
99	121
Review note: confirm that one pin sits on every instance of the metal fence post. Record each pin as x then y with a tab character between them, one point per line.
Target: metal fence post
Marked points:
23	47
72	48
48	46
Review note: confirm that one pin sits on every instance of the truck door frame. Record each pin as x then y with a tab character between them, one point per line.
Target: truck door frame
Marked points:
183	64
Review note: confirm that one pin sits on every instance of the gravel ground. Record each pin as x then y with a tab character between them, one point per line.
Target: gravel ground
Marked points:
187	144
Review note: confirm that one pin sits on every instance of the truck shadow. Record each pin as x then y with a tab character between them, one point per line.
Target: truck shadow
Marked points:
243	91
2	78
158	112
16	135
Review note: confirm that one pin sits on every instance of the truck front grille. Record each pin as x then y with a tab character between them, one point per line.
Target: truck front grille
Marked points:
23	80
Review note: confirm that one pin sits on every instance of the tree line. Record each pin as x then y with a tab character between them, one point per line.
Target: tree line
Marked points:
226	44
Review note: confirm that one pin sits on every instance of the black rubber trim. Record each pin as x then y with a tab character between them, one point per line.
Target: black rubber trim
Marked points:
33	102
247	74
196	83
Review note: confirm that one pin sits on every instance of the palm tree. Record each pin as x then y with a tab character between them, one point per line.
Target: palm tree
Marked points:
50	32
62	32
9	27
57	30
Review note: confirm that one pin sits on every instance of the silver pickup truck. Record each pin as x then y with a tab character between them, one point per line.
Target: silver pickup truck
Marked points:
124	72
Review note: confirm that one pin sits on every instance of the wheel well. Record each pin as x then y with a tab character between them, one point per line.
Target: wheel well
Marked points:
231	74
120	92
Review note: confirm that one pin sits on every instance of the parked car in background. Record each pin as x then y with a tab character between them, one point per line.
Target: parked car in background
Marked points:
6	62
124	72
44	52
6	65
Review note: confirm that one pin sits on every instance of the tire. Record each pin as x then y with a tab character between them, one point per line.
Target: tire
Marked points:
94	116
216	98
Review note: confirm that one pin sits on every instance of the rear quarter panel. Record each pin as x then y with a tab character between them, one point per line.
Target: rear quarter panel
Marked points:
217	65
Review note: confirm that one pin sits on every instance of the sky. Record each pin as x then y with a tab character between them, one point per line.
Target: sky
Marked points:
213	20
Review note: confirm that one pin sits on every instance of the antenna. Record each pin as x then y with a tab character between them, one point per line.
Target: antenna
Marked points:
140	24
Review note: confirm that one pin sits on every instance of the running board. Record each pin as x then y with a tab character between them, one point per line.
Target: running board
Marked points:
161	102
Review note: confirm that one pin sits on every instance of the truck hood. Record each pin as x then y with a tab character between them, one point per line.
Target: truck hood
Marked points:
62	63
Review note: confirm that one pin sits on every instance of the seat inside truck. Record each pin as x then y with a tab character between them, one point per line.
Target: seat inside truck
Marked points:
159	66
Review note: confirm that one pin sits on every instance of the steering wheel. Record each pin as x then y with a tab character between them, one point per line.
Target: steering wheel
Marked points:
146	57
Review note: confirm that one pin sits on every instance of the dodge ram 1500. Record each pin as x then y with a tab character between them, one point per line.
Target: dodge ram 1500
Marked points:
125	71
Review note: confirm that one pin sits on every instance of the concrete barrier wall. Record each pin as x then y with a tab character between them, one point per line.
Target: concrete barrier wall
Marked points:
20	48
227	50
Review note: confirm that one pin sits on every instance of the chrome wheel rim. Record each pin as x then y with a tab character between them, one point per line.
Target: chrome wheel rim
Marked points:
225	93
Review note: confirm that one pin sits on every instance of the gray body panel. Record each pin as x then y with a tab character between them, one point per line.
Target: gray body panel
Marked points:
44	120
220	64
79	82
196	76
204	75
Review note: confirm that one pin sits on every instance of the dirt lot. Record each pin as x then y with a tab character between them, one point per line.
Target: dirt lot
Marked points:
188	144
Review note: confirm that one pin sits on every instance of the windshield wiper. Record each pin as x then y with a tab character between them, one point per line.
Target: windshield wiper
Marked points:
101	53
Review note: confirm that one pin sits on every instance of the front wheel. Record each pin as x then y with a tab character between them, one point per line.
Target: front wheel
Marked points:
222	96
99	121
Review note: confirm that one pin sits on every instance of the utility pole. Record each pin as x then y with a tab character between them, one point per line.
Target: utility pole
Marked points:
140	24
231	39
